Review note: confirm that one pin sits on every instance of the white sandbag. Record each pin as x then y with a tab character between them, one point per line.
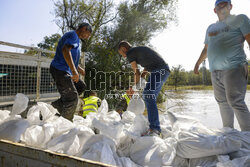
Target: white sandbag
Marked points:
195	140
60	124
100	152
104	107
4	114
238	162
67	143
191	145
20	104
241	153
187	123
114	131
139	126
38	136
179	162
79	120
126	162
98	139
40	113
136	104
128	117
140	85
204	162
110	117
149	151
100	148
84	133
12	129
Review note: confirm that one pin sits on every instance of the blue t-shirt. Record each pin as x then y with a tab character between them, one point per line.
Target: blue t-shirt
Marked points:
225	41
59	62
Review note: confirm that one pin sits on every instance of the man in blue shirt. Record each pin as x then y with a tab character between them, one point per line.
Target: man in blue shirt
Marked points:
65	70
227	61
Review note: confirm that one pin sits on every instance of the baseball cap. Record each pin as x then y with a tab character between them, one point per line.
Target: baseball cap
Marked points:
87	25
219	1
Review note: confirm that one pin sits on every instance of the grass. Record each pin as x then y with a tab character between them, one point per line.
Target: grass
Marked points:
195	87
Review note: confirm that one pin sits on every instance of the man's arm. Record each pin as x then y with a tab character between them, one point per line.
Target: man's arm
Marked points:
202	57
137	73
68	58
247	37
144	73
81	70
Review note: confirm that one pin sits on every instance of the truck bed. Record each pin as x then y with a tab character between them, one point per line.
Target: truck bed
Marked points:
19	155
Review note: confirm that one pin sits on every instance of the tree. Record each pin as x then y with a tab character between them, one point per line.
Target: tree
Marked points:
177	76
136	21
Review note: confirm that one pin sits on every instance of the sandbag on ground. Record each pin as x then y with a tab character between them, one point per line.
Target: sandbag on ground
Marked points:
238	162
4	114
196	141
152	152
12	128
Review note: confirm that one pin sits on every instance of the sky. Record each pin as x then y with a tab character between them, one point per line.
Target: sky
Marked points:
27	22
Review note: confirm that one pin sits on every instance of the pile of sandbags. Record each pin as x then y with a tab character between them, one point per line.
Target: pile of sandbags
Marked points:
105	137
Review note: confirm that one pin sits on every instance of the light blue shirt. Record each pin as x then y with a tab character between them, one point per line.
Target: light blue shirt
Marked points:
225	41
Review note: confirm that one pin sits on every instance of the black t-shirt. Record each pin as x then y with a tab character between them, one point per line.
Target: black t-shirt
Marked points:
146	57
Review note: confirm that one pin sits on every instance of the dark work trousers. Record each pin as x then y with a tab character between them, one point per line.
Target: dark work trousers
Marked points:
69	92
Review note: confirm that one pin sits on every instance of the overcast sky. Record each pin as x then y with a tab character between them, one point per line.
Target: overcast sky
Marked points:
27	22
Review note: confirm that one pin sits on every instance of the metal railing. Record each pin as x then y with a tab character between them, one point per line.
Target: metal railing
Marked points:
27	74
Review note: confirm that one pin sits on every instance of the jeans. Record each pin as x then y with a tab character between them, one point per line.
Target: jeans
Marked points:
69	91
229	90
153	87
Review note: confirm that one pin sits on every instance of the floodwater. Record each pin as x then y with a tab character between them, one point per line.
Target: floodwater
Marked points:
200	105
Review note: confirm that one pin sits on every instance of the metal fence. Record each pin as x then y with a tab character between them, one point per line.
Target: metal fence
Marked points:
27	74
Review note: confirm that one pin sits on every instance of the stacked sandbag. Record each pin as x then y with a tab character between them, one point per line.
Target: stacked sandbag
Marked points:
105	137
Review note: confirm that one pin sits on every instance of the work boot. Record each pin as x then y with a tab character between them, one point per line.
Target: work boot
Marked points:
152	132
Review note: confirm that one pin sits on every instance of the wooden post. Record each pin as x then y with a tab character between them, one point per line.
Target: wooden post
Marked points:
38	79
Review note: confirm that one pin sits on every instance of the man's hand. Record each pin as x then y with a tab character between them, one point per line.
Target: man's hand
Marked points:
202	57
196	69
75	76
81	71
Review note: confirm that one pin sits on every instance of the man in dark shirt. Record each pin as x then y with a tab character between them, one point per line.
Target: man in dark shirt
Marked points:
159	72
64	70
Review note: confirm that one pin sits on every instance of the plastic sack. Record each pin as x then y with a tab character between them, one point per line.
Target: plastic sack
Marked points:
4	114
79	121
126	162
204	162
12	129
37	135
40	113
195	140
113	131
104	107
20	104
110	117
60	124
98	138
100	152
136	104
84	133
140	85
238	162
67	143
149	151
